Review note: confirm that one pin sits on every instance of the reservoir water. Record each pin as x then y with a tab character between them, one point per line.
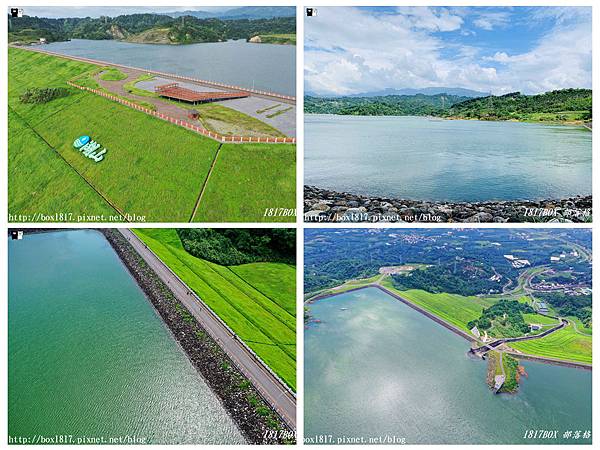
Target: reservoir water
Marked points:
89	356
267	67
420	158
375	367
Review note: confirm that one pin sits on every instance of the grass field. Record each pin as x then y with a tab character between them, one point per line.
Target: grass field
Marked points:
289	39
256	300
229	122
538	318
112	74
153	169
455	309
242	171
564	344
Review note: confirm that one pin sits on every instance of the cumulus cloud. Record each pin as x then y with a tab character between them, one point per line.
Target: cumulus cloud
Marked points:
351	50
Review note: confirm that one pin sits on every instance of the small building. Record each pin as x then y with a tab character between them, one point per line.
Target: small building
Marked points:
542	308
43	41
554	258
476	332
535	326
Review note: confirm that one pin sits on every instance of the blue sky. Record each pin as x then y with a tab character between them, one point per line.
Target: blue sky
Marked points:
489	49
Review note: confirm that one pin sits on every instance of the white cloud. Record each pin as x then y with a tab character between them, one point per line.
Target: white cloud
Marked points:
351	51
489	21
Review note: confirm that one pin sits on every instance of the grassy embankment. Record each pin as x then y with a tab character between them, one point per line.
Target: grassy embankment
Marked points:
256	300
282	39
566	344
214	117
152	168
454	309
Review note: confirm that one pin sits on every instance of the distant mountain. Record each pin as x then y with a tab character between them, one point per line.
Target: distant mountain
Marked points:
560	106
244	12
459	92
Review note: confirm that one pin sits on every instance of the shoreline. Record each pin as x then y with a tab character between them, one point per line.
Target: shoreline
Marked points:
454	329
325	205
209	360
580	123
270	95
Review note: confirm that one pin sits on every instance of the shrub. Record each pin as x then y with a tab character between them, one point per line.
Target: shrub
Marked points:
43	95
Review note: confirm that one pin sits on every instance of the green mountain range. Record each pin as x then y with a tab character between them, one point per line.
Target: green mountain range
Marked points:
564	106
145	28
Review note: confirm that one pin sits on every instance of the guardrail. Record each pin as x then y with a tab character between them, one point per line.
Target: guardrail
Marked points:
182	123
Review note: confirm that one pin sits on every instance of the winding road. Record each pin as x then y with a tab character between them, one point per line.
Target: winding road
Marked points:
273	389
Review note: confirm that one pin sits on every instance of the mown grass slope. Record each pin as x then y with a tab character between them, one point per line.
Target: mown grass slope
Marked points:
564	344
455	309
50	185
264	318
153	169
247	180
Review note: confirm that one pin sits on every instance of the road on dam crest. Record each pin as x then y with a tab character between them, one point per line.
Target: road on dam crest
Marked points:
266	382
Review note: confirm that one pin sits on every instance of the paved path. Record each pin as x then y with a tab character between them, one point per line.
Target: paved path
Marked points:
267	383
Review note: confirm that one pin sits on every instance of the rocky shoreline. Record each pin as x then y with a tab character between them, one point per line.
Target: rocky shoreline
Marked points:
256	420
324	205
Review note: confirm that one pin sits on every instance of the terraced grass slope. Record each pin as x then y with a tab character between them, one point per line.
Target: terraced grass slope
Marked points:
152	169
566	344
256	300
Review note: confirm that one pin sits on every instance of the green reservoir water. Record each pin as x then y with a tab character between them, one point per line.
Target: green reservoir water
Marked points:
419	158
381	369
89	356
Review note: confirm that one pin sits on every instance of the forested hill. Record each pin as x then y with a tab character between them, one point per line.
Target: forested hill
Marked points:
567	105
146	28
562	105
388	105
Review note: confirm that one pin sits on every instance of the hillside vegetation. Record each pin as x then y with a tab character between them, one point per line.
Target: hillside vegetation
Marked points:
566	105
234	246
561	105
257	300
388	105
146	28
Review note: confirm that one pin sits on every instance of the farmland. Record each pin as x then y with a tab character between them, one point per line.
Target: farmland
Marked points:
153	169
257	300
